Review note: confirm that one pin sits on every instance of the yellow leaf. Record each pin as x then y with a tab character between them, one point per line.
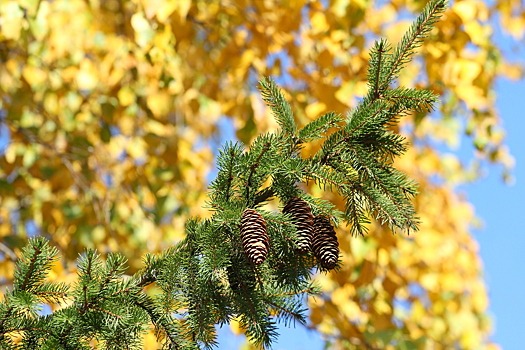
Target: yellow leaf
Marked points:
473	97
315	109
247	59
29	157
51	104
87	76
319	23
512	71
143	31
39	25
153	7
165	10
158	128
116	146
12	20
316	315
123	210
159	103
11	153
466	10
29	5
145	230
362	249
261	113
338	7
350	310
418	311
235	326
452	282
430	281
183	8
126	96
34	76
383	258
360	89
479	34
345	93
127	124
438	328
515	26
209	108
57	216
396	31
479	298
98	234
136	148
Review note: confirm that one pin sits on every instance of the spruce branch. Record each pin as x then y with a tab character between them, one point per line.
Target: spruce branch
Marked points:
36	261
222	189
265	147
263	195
316	128
281	109
379	58
162	323
289	312
208	277
413	38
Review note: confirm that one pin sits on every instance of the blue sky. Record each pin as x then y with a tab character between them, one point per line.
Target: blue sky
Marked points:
501	239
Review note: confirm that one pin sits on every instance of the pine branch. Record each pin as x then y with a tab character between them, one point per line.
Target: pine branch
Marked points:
355	211
253	168
222	188
263	195
34	265
379	58
290	313
413	38
316	128
281	109
162	322
211	277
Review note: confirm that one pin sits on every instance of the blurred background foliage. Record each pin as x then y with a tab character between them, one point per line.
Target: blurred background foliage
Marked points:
112	110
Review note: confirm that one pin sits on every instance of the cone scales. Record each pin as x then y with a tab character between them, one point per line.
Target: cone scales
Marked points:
304	222
254	237
325	245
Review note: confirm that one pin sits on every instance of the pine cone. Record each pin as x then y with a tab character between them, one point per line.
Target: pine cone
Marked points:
325	245
254	238
304	222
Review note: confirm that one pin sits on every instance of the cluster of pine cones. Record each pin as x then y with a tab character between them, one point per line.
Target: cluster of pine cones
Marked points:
314	234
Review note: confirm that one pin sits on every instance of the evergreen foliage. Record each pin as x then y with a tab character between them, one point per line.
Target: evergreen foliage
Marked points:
207	279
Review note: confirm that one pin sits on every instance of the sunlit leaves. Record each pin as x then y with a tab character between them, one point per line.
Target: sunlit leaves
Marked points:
12	20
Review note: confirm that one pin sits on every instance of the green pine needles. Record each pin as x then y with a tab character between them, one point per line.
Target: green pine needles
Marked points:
208	278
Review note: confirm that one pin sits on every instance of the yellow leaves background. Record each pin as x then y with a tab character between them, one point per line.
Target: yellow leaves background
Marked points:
113	107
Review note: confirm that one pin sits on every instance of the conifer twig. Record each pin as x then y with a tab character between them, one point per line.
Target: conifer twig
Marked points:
414	36
253	169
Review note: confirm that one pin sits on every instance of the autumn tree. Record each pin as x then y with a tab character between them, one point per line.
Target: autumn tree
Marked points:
109	122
